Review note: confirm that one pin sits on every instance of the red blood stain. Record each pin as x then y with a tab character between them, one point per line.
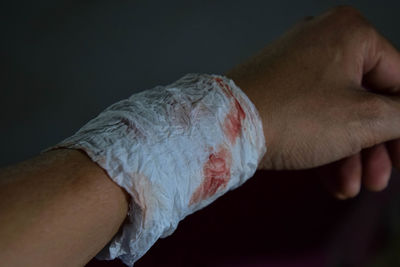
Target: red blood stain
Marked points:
235	116
227	90
233	122
217	173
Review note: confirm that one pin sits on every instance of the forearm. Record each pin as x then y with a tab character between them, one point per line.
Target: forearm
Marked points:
58	209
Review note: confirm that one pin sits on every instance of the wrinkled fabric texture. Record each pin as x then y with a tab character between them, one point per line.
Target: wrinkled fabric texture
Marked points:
174	149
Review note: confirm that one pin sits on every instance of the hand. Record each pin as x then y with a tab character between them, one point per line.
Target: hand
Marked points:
327	92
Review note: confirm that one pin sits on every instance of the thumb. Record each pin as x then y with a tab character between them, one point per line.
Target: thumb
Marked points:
381	68
379	118
382	75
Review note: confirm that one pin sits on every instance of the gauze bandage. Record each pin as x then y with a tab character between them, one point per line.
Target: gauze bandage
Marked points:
174	149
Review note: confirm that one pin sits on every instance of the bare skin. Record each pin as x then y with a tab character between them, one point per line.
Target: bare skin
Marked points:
309	87
60	208
57	209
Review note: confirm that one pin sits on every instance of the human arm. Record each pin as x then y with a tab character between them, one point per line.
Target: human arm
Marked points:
57	209
314	111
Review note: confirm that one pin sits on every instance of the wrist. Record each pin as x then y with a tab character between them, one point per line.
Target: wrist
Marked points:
255	91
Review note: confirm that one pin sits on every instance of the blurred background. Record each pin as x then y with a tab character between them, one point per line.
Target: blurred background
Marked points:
62	62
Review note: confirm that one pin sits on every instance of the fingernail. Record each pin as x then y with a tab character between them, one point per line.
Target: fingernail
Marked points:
340	196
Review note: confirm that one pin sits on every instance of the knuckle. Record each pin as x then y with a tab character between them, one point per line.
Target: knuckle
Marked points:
353	24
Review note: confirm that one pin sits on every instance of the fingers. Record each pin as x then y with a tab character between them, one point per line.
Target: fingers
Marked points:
381	66
343	178
370	168
381	75
377	167
393	148
349	177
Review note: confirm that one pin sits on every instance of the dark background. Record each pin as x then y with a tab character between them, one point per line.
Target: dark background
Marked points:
62	62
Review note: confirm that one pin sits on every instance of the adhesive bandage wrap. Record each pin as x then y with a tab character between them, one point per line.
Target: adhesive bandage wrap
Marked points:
174	149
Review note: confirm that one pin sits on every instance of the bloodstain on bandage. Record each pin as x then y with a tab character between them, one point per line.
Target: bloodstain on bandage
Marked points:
217	173
216	170
225	87
235	116
233	122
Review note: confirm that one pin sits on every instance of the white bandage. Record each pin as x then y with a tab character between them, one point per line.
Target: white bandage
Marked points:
174	149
